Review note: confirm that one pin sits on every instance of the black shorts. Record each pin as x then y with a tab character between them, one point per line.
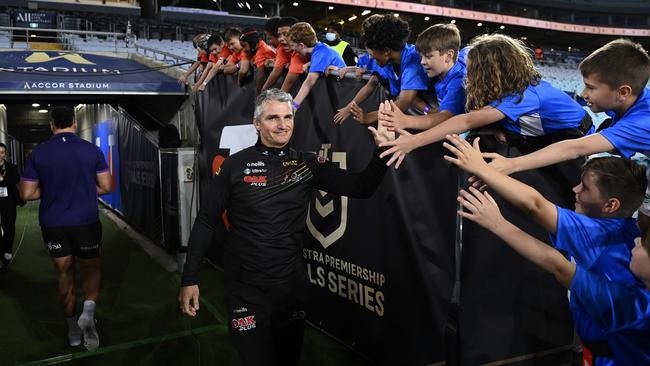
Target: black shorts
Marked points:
266	322
82	241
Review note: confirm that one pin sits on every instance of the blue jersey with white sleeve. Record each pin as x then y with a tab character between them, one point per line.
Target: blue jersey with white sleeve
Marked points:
541	110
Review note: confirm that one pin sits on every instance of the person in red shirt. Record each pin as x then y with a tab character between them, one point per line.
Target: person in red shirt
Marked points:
216	60
285	58
237	55
259	54
200	42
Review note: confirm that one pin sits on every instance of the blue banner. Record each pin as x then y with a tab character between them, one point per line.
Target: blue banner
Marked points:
34	19
79	73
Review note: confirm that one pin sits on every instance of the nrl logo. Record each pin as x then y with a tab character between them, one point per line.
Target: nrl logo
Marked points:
327	216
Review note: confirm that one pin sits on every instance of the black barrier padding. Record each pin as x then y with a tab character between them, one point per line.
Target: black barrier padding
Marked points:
139	180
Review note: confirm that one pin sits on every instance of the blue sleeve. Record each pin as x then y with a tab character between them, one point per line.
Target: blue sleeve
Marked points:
577	235
629	136
413	77
454	100
611	305
101	162
318	61
30	172
514	108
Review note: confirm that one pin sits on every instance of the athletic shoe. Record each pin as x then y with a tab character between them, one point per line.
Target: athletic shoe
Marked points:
91	338
74	335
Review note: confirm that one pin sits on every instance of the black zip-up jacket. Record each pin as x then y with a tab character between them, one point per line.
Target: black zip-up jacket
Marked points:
266	193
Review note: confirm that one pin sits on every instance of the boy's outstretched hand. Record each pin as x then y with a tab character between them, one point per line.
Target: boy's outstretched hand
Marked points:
482	208
468	158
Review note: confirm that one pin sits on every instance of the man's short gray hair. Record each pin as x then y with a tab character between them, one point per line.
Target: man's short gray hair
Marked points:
272	95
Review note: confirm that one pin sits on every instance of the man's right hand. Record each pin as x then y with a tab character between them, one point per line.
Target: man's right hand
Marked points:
189	299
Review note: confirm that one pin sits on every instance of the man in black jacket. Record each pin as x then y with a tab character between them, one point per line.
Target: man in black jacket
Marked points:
265	190
8	200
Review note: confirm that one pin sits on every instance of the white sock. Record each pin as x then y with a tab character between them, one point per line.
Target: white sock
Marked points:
89	309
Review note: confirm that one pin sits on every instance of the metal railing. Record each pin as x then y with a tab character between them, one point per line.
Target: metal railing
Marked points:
65	37
160	55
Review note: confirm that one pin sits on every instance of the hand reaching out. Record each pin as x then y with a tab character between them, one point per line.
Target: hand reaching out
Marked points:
399	147
482	208
392	116
342	114
468	158
358	113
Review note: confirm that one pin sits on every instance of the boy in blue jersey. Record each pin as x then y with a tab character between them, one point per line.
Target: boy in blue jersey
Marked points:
615	78
302	39
518	103
385	38
441	57
599	235
67	173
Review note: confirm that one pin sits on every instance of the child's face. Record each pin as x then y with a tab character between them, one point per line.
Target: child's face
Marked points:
282	37
588	198
234	45
381	57
436	63
273	40
598	95
215	48
298	47
640	263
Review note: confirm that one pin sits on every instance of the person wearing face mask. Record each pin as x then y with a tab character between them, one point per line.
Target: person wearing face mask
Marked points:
333	39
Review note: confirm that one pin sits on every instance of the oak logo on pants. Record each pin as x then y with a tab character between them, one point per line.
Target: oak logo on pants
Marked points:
243	324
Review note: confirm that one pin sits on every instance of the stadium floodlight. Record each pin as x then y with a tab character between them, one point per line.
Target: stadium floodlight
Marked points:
502	27
295	4
36	105
365	12
396	15
524	38
42	111
240	5
353	17
453	21
330	8
479	24
342	22
426	18
260	5
248	5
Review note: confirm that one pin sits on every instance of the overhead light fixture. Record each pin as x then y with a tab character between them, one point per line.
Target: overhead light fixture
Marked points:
426	18
366	12
502	27
240	5
330	8
524	38
396	15
353	17
42	111
342	22
35	105
479	24
248	5
295	4
260	5
453	21
33	35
